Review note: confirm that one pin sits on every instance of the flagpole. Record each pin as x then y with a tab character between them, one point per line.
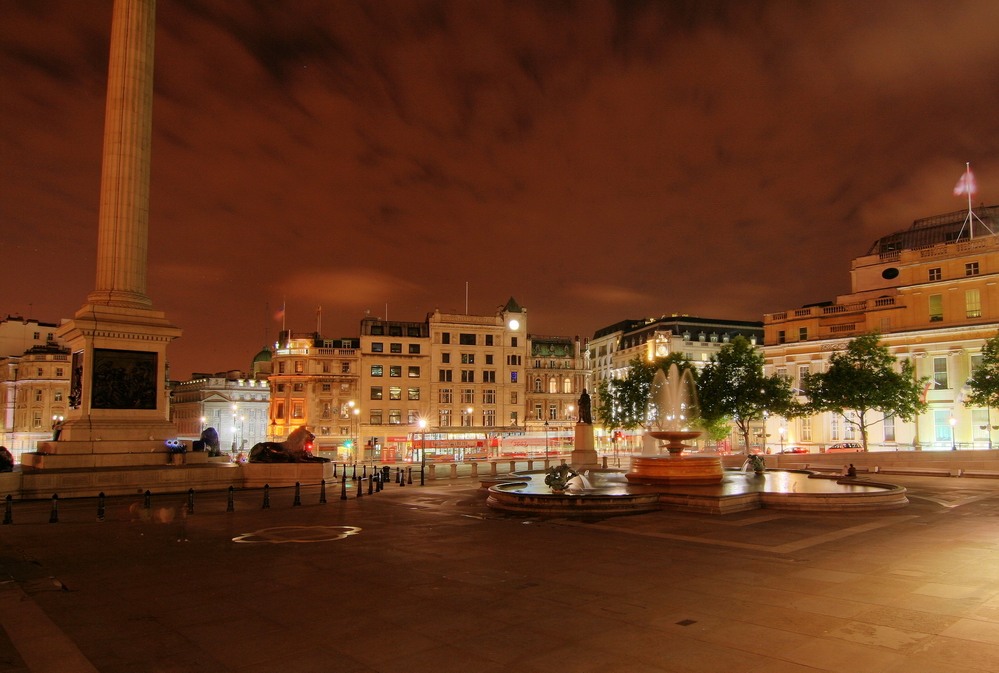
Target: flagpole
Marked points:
967	179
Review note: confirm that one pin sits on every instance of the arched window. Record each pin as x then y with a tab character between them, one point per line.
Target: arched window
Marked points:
537	385
566	385
553	385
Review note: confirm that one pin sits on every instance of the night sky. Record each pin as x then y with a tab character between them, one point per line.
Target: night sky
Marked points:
596	161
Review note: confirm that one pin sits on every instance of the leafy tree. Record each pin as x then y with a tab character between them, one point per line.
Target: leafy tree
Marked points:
622	403
732	388
865	378
983	386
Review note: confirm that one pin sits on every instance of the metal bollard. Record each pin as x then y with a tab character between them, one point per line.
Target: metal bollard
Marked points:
230	505
8	512
371	484
147	501
409	472
353	472
343	489
298	495
334	469
402	478
364	471
267	497
190	501
398	474
360	483
54	516
322	491
378	483
100	506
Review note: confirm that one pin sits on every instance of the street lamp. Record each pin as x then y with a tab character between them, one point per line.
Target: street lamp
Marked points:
356	428
423	449
546	442
234	410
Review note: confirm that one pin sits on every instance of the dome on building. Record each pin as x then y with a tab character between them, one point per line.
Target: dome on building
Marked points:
262	356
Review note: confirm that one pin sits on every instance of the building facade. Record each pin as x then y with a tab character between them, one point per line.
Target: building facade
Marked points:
694	338
930	292
558	371
313	383
34	396
394	388
236	404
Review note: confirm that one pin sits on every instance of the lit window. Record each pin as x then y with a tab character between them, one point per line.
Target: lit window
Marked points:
936	307
973	303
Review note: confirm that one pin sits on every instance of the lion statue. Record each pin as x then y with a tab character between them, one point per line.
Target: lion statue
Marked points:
210	437
295	449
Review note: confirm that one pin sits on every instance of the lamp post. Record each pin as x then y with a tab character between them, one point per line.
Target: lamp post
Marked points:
953	438
546	442
423	450
234	410
355	425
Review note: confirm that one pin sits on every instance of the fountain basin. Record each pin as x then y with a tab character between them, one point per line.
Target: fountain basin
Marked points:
613	494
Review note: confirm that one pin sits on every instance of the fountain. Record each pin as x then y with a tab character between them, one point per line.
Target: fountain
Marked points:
678	482
671	413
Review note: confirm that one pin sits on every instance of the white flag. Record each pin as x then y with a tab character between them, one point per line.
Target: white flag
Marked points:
966	185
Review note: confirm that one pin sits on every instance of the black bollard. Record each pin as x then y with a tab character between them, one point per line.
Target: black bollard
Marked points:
230	505
147	502
8	512
423	476
334	469
364	471
353	472
371	484
402	478
360	483
298	495
343	489
398	474
190	501
322	490
409	475
267	497
100	506
378	482
54	516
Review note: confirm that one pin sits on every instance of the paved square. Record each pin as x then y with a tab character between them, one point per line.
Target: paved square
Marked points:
429	579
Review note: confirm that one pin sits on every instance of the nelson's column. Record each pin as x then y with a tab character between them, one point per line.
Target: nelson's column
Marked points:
119	404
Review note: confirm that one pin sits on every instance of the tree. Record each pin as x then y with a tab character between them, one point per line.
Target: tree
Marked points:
623	403
983	386
866	378
732	388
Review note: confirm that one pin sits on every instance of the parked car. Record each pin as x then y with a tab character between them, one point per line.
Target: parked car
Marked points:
845	447
795	449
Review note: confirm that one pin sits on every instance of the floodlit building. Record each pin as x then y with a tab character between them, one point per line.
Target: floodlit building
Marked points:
930	291
313	380
34	395
394	390
557	373
696	339
235	403
18	334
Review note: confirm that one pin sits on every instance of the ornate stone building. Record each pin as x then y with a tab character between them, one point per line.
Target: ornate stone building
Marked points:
34	396
930	291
